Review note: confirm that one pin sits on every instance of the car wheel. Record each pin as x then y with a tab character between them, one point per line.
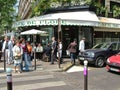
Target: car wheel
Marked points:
99	62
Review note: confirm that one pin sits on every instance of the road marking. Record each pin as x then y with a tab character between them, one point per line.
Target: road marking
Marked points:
37	85
28	78
75	69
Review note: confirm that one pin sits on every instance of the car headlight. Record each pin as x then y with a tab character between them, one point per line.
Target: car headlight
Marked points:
108	60
91	54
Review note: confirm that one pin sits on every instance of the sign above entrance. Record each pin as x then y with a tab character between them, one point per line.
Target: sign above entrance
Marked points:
65	22
68	4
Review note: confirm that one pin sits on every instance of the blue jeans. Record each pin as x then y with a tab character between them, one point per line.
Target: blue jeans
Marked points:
29	60
25	56
73	56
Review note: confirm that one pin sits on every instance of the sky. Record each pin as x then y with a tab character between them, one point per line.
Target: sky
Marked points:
16	6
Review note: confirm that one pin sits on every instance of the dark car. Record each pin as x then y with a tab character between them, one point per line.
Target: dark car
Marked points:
99	53
113	63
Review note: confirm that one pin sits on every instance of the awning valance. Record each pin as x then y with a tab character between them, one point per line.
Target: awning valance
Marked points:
81	18
67	18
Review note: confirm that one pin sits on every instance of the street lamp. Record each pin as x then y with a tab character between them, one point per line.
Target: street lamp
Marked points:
59	29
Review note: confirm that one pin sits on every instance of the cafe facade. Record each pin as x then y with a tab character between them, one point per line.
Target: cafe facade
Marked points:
74	25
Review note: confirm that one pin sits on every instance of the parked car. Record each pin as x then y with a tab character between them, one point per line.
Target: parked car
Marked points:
113	63
99	53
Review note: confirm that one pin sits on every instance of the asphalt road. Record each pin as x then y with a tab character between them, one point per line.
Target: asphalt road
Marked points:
98	79
45	79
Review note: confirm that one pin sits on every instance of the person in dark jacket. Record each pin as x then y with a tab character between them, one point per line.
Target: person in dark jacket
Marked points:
1	50
54	50
47	52
73	49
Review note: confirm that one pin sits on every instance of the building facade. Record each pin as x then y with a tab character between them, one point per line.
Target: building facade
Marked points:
106	29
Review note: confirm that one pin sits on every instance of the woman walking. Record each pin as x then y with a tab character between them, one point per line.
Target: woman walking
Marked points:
17	54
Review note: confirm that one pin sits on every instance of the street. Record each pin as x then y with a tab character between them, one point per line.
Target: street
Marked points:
98	79
50	79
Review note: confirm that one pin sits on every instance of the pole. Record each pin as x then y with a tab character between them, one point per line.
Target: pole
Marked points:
59	29
9	78
35	58
4	61
85	75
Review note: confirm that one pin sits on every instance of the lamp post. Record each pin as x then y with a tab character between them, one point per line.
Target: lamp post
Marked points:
59	29
34	58
4	61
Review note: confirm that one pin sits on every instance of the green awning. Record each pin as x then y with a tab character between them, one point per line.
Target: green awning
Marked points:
80	18
65	22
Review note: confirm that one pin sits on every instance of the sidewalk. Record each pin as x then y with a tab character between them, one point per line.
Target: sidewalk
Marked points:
43	66
55	67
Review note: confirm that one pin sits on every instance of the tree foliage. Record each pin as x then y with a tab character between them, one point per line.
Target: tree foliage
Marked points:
43	5
6	13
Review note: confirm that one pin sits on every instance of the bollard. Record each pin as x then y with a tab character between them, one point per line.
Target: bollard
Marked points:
9	78
4	62
85	75
34	58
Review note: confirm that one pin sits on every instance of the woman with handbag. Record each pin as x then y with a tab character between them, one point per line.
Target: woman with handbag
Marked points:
17	54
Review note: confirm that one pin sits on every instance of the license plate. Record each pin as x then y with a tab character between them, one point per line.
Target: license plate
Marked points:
81	58
114	69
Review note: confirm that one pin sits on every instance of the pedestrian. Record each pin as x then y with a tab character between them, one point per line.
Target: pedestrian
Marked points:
1	50
25	56
47	53
29	53
60	51
82	45
17	54
72	49
6	49
39	51
54	50
33	51
11	45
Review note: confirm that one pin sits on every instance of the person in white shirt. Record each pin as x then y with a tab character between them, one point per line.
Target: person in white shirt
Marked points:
6	49
17	53
82	45
60	51
39	51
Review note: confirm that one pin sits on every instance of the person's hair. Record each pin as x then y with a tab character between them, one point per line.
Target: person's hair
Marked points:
28	42
17	41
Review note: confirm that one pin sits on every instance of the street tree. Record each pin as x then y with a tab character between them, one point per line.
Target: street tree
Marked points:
6	14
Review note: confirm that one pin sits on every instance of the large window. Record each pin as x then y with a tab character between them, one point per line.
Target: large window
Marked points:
100	36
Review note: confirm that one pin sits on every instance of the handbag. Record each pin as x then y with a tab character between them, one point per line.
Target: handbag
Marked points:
17	57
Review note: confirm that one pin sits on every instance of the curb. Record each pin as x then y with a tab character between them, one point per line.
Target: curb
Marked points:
68	66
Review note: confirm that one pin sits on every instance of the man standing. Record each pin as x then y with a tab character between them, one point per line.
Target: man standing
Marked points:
11	45
54	50
82	45
6	50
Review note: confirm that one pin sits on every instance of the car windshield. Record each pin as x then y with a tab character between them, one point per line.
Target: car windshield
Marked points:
101	46
97	46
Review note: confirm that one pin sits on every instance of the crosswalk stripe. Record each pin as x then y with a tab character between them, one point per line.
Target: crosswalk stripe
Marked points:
76	69
28	78
37	85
